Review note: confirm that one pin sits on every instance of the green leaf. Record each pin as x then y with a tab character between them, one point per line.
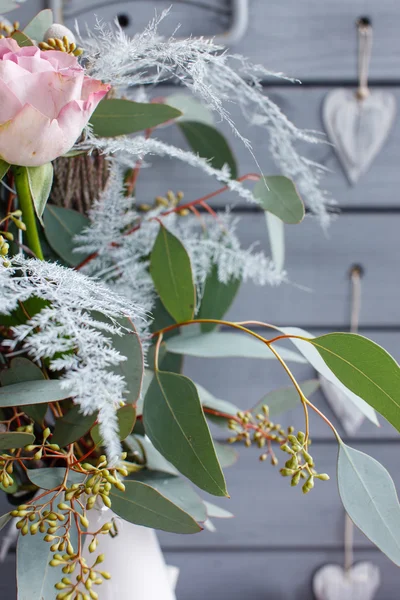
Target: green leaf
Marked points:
144	505
191	108
172	275
35	577
15	440
178	491
287	398
216	512
126	422
276	233
4	520
209	143
4	168
32	306
32	392
7	6
278	195
209	401
301	339
40	181
217	299
61	226
51	479
20	370
370	499
153	459
121	117
72	426
22	39
39	25
364	368
223	344
227	456
175	423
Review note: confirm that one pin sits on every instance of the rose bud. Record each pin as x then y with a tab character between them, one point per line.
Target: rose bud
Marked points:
46	100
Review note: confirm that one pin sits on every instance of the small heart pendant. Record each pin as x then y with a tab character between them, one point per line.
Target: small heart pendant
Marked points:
358	128
361	582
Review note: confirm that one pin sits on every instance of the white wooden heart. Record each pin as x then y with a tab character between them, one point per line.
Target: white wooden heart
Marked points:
358	128
349	415
361	582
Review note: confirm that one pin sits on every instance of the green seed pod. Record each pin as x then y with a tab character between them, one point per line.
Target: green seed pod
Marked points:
263	457
295	479
46	433
32	517
84	521
90	503
105	575
292	463
287	449
93	545
308	458
323	476
301	436
286	472
106	500
274	461
106	527
55	563
93	595
60	586
25	529
63	506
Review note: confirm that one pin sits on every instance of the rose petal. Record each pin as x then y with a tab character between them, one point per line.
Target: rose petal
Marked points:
10	70
93	86
9	103
32	61
61	60
49	92
7	45
30	139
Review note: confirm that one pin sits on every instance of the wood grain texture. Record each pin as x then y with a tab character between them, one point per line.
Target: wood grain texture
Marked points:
321	263
268	575
191	19
303	106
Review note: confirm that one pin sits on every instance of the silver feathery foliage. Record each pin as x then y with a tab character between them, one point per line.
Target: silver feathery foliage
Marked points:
122	257
68	327
217	78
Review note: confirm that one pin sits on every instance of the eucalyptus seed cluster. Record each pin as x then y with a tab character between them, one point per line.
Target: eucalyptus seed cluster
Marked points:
6	469
7	236
300	464
82	587
259	430
8	29
63	45
169	201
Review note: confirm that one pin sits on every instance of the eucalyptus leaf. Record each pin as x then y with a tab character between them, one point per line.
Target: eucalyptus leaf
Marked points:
224	344
191	108
61	226
7	6
39	25
216	512
370	499
4	520
51	479
40	182
278	195
144	505
32	392
21	369
15	440
4	168
310	352
209	143
72	426
217	299
154	460
117	116
22	39
171	272
126	421
276	233
175	423
364	368
227	456
287	398
222	406
178	491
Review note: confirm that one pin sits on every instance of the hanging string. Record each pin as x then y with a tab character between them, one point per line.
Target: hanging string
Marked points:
355	278
365	39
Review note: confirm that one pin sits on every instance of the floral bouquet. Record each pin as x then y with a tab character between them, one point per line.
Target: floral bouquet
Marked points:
104	292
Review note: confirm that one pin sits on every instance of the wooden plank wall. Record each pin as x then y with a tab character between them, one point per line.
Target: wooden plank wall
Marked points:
279	538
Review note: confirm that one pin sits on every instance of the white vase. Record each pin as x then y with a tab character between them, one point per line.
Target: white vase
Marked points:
134	559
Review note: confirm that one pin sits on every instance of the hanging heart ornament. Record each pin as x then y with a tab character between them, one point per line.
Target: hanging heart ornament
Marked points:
360	582
358	127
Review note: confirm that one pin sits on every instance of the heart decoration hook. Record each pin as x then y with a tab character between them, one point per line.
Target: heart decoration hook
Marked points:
358	123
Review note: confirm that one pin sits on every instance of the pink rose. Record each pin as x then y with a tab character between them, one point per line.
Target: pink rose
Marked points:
45	102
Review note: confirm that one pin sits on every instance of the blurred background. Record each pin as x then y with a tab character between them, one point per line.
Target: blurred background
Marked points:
279	539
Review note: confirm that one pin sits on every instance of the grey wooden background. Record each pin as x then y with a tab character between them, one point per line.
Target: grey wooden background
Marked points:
280	538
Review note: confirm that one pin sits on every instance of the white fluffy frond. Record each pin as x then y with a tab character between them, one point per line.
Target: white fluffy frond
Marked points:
122	260
217	78
67	327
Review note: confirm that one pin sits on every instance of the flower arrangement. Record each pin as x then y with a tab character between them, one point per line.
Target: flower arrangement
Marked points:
98	305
